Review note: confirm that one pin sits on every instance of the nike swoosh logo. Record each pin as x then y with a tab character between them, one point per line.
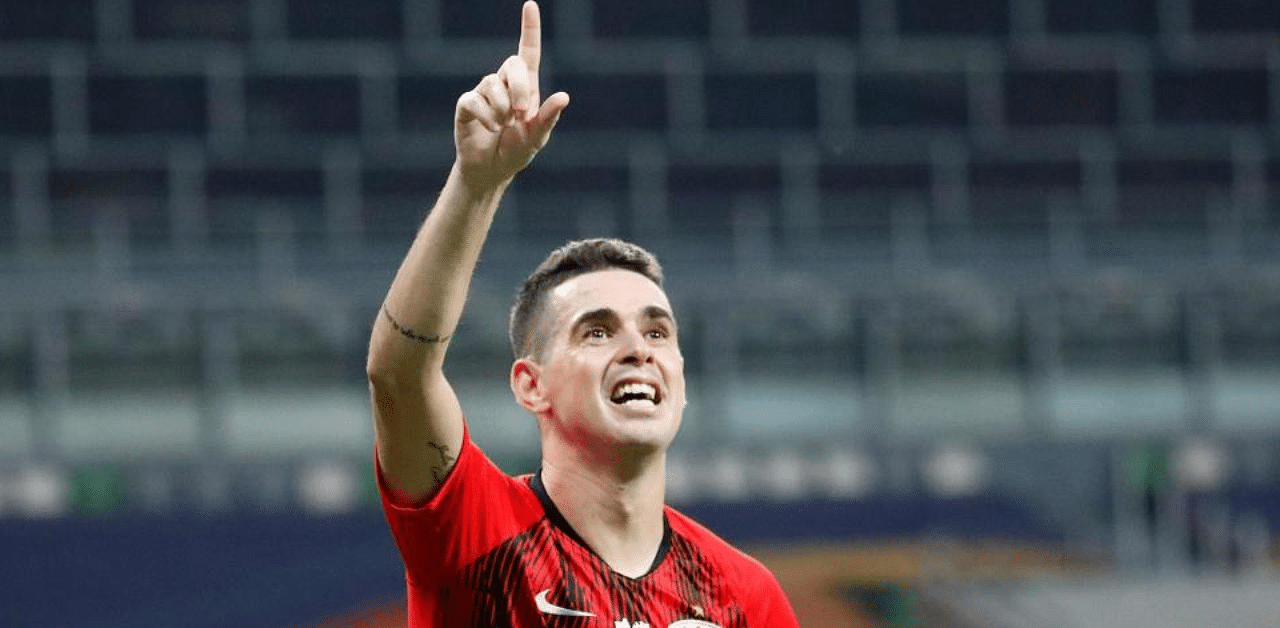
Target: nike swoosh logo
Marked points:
552	609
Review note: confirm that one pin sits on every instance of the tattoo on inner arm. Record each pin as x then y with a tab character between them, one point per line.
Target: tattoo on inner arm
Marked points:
446	461
409	333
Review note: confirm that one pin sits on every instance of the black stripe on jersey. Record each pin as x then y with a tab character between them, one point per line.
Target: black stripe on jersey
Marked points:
546	553
529	556
491	577
703	587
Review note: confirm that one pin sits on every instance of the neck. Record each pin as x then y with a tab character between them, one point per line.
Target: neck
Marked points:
617	510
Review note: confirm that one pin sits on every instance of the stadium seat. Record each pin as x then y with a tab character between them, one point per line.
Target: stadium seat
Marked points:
297	105
26	107
136	104
1101	17
1238	96
192	20
805	20
659	19
1254	17
58	20
907	99
1055	97
988	18
370	20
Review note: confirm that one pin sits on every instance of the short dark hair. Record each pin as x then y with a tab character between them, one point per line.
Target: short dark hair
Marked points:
575	258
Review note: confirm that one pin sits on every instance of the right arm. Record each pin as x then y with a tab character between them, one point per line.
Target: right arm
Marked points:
498	128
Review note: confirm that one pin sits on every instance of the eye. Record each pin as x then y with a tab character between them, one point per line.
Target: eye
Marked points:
659	334
596	332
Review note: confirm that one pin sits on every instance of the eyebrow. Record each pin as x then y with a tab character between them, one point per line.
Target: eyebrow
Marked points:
655	312
652	312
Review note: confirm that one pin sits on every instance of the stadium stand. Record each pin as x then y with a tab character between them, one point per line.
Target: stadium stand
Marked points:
983	271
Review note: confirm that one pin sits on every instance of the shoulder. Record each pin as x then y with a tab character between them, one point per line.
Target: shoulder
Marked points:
475	510
473	487
715	549
762	599
477	477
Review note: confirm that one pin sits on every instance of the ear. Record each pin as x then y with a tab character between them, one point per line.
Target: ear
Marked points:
526	385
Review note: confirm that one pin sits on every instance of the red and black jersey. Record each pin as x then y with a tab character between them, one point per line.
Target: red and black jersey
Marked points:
492	551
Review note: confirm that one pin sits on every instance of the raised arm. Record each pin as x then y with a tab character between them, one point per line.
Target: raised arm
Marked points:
498	128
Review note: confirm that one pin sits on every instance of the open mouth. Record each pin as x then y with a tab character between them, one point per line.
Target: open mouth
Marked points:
633	393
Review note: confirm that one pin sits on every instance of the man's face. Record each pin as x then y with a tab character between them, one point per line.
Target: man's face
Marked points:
612	370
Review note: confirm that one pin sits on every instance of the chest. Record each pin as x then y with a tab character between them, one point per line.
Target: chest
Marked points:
547	579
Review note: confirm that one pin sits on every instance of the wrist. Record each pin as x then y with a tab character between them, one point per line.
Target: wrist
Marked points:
477	189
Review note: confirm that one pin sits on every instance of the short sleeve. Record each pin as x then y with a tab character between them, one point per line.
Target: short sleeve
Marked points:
476	508
770	608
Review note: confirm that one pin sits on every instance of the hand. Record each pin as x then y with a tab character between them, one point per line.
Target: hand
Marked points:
501	124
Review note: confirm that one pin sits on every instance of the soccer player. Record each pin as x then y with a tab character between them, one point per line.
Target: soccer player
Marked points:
587	540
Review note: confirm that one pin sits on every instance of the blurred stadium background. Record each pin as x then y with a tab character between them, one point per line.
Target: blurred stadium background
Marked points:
980	300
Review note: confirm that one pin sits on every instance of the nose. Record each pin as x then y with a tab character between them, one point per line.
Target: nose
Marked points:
635	349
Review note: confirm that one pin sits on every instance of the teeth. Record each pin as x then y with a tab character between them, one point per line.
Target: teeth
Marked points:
635	388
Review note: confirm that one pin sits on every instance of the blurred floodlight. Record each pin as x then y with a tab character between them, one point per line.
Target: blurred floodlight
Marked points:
783	476
41	492
955	470
328	487
1201	465
845	474
726	477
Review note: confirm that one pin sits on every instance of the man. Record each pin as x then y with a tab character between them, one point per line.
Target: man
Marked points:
586	541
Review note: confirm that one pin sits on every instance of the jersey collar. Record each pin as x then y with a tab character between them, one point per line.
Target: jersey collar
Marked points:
557	519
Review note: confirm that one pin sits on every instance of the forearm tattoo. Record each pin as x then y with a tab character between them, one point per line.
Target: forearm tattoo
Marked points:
409	333
446	461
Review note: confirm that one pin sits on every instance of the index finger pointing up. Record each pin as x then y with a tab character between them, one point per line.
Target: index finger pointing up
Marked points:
531	37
